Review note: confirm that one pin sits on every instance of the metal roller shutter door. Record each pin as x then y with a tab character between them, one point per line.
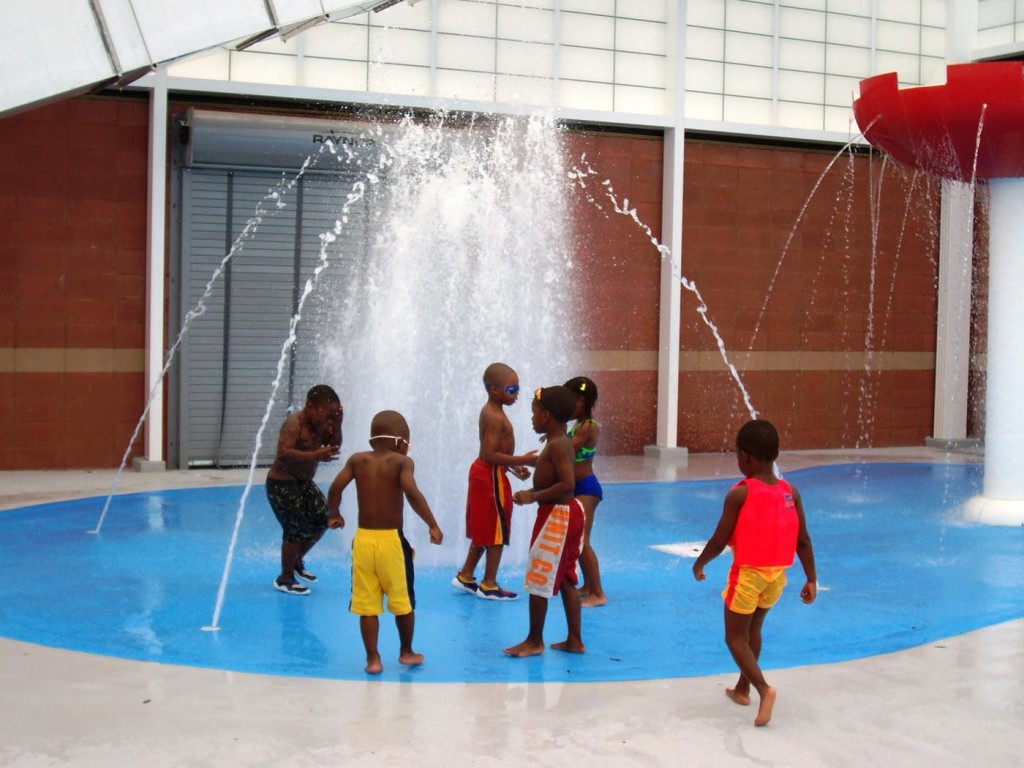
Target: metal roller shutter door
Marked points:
229	358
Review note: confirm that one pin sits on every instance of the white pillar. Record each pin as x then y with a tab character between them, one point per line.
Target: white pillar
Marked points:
1002	499
961	31
953	329
153	441
1004	403
671	288
671	265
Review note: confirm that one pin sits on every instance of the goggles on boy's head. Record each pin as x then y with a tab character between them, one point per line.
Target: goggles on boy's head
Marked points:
510	389
396	438
556	400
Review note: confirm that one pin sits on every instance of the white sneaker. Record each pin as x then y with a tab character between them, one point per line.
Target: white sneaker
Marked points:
290	587
464	586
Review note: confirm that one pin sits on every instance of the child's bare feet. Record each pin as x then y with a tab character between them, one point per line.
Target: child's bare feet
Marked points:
740	698
764	712
592	601
410	659
373	665
569	646
583	591
525	648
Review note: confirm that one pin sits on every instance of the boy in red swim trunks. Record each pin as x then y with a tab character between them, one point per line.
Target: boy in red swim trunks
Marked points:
763	521
489	499
558	532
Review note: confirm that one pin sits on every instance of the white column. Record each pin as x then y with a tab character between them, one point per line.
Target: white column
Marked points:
1004	402
155	268
952	337
671	288
671	265
961	31
1002	500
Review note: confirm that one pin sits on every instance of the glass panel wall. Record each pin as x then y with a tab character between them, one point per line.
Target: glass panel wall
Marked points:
787	64
797	63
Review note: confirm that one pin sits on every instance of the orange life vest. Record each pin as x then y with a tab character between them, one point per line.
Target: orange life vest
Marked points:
766	531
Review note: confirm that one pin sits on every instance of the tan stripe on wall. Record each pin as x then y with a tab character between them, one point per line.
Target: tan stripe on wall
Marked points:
764	361
42	360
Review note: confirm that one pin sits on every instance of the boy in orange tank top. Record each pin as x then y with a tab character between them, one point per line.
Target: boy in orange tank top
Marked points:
763	521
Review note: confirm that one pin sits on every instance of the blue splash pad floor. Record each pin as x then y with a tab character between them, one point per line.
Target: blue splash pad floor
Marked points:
897	568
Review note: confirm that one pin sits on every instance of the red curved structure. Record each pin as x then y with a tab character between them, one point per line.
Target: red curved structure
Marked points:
936	127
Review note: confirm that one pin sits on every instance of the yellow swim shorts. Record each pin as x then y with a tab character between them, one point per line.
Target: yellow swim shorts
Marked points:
381	565
749	588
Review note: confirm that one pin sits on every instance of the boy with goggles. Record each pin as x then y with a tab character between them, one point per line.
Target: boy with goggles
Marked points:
489	498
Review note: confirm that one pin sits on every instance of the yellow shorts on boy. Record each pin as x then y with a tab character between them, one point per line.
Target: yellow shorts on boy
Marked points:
381	565
749	588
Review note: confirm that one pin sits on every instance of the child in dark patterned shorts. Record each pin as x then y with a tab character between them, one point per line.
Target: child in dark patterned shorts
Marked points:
307	438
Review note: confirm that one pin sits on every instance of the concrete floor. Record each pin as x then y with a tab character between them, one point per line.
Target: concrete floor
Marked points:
951	703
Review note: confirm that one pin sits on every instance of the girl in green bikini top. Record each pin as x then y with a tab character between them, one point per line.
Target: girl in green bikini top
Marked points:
583	453
586	397
584	435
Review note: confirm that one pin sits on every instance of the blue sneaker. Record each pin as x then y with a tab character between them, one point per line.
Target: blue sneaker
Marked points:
465	586
494	593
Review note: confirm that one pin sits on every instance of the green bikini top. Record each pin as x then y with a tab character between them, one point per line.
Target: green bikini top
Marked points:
583	453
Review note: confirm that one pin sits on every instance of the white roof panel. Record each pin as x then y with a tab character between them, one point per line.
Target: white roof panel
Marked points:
53	48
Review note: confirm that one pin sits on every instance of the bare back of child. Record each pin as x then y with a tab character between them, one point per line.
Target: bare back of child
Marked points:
381	556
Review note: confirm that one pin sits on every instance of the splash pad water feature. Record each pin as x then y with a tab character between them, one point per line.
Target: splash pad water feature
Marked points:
498	171
142	599
144	628
968	129
470	263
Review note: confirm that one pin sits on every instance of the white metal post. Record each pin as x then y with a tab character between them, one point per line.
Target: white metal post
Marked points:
671	265
153	458
953	326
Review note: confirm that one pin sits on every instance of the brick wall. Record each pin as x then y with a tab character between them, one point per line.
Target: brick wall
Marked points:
618	277
843	346
833	361
72	289
72	282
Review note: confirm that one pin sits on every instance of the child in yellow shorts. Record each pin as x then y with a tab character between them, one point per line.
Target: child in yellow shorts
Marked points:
763	521
381	557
